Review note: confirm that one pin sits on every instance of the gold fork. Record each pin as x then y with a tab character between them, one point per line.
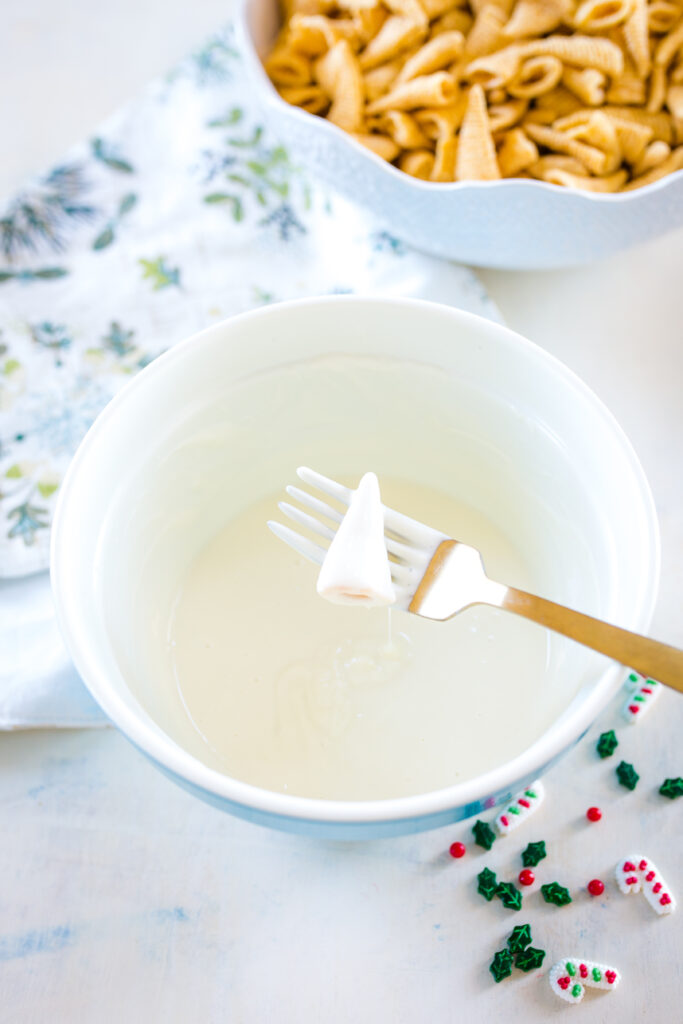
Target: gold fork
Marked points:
437	577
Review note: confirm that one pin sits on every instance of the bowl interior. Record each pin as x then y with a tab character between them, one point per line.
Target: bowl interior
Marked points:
224	419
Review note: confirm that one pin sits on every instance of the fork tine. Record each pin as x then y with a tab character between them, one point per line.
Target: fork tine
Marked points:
315	504
402	575
405	552
409	533
303	519
324	484
302	545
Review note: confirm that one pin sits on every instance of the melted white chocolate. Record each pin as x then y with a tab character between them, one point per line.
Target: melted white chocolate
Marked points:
266	682
356	569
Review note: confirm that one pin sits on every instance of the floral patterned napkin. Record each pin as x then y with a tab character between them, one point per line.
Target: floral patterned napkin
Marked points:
182	210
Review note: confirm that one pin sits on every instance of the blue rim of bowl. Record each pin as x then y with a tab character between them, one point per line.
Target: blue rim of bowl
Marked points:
271	96
174	759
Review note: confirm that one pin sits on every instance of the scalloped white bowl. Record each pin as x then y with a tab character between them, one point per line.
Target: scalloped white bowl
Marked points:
160	470
511	224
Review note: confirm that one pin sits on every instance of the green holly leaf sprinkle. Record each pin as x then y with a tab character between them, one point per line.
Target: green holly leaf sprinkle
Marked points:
627	775
483	834
520	938
529	959
607	743
501	965
509	895
555	893
533	853
488	884
672	788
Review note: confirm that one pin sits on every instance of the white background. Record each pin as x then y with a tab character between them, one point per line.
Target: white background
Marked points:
125	899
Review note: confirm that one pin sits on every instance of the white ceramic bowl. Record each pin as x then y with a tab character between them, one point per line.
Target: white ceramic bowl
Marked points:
511	224
162	468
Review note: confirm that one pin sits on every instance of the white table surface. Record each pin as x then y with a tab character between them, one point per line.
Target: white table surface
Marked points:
124	899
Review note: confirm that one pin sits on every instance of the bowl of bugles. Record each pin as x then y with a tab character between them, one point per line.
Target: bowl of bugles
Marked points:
505	133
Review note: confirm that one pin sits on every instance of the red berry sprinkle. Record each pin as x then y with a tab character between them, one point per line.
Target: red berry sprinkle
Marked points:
458	850
594	814
596	887
527	877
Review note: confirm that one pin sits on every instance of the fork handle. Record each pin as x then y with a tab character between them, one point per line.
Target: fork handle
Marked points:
648	657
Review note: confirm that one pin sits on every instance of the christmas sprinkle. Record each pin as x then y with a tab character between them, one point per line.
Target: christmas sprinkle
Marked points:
607	743
488	884
627	775
596	887
520	807
526	877
594	814
555	893
570	977
533	853
644	692
457	850
520	938
639	874
672	788
509	895
529	959
501	965
483	834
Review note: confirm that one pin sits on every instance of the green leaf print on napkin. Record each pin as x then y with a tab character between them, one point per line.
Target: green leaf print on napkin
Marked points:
118	343
28	519
106	154
213	61
118	339
160	273
235	203
49	335
107	236
26	276
257	172
233	116
44	214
